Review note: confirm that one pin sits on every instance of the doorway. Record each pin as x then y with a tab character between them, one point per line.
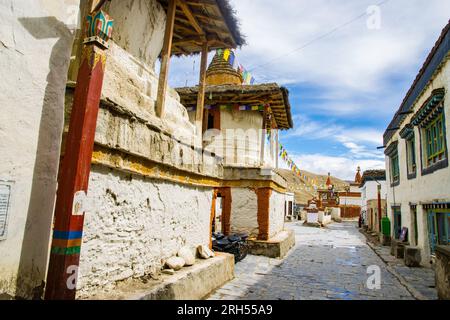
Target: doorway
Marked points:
397	223
438	228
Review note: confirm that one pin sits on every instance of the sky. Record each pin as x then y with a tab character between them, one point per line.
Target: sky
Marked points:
347	65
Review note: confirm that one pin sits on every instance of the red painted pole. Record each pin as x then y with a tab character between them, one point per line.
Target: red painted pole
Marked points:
76	164
379	208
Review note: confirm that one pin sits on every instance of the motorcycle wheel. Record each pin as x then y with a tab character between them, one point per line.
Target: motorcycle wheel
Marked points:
242	252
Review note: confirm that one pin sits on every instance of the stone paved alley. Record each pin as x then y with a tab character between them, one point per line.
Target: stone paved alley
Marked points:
326	264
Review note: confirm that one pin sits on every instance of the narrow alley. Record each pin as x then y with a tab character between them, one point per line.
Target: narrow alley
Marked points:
326	264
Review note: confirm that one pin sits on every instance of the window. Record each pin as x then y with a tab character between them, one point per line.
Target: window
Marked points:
397	223
408	134
395	169
411	155
435	141
415	227
392	153
431	122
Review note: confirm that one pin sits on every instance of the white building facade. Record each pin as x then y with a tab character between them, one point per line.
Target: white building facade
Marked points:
417	157
372	181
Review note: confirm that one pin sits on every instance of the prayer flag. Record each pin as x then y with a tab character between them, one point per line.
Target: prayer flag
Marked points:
232	58
226	54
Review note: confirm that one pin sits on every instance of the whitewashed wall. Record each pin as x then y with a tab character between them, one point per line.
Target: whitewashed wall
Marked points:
244	211
370	191
135	225
241	134
130	79
35	47
350	201
276	213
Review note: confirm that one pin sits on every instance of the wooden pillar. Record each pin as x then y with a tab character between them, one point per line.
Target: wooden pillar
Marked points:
379	207
213	215
165	58
263	138
76	165
272	141
226	210
201	90
263	195
277	151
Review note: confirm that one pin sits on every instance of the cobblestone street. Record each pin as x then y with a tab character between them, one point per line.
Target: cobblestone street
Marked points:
326	264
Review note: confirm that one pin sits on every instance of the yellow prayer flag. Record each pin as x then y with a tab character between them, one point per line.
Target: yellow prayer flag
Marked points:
226	54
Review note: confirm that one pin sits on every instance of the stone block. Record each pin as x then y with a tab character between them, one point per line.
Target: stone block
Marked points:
400	252
398	249
385	240
443	272
394	245
412	257
277	247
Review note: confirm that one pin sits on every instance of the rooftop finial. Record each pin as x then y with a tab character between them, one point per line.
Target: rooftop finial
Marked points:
358	177
328	183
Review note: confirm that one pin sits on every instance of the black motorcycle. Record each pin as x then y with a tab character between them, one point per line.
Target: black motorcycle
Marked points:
236	244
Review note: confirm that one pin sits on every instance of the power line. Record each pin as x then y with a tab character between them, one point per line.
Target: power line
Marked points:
318	38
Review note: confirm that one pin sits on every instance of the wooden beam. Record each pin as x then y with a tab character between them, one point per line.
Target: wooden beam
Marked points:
202	88
96	5
165	58
188	13
202	3
183	31
185	40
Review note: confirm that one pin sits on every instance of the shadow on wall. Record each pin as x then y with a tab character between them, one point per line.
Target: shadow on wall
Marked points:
36	241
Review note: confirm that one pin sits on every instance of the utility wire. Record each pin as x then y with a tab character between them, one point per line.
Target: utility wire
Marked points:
318	38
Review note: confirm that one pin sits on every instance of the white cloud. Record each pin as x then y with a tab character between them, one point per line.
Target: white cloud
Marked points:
360	142
353	57
355	73
353	61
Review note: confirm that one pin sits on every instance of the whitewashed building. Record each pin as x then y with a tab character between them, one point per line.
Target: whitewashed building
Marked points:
373	193
152	188
144	203
350	200
416	143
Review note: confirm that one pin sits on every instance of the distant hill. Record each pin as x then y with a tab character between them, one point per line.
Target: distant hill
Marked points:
304	190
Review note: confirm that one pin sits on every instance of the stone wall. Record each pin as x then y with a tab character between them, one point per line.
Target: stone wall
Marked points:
135	224
35	47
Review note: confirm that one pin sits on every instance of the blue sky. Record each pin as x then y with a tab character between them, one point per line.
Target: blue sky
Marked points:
344	85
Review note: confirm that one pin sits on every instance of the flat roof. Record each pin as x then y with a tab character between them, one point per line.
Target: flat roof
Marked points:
272	94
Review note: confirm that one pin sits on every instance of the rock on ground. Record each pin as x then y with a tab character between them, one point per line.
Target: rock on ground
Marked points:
175	263
187	255
204	252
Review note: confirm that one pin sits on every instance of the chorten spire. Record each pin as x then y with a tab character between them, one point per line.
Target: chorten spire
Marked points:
358	177
328	183
220	72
